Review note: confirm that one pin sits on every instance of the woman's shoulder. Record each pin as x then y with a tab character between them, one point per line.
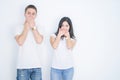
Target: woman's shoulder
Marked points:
53	35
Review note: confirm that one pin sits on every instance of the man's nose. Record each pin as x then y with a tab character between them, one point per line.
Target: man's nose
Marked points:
30	15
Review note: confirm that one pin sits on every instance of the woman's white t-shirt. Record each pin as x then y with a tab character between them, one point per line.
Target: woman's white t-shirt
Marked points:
62	57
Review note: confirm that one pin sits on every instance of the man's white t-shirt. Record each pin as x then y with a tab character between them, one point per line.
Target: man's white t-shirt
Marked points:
28	56
62	57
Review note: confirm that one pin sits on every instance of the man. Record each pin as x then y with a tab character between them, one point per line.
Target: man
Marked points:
28	37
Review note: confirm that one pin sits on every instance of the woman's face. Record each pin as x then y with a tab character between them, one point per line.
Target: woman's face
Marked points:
65	26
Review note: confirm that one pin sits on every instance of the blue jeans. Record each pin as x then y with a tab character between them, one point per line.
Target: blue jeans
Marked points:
29	74
62	74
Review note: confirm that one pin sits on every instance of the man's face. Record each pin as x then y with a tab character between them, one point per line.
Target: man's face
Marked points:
30	14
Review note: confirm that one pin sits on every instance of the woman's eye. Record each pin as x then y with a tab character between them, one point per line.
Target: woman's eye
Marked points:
66	25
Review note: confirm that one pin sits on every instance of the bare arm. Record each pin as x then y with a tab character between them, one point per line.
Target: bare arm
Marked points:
37	36
55	41
22	37
70	43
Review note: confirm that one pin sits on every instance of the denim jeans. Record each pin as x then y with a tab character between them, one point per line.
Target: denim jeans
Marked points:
62	74
29	74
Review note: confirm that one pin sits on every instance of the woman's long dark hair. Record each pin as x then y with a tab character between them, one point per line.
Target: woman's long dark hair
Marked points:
68	20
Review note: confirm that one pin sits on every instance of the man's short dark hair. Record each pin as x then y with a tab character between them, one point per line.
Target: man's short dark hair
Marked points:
31	6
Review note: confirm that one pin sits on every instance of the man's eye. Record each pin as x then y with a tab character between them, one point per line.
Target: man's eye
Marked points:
33	13
28	12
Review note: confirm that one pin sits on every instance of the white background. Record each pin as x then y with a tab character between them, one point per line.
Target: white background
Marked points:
96	25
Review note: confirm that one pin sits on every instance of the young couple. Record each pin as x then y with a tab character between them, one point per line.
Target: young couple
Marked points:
62	41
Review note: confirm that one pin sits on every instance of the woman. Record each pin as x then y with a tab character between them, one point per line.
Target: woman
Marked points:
63	42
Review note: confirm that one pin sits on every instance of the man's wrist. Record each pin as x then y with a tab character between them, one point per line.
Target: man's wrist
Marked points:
34	28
